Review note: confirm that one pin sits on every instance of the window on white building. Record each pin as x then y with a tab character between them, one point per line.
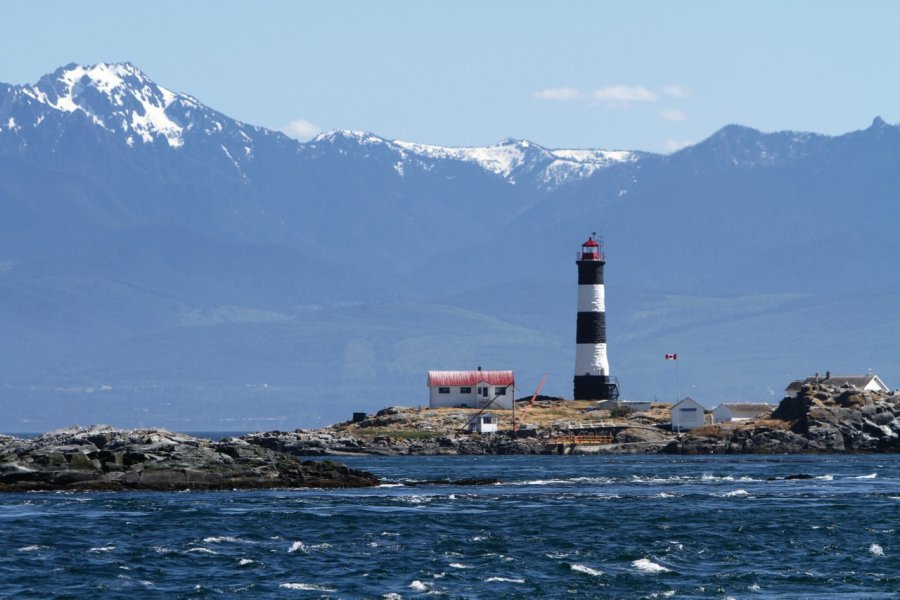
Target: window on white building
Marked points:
465	390
443	390
499	391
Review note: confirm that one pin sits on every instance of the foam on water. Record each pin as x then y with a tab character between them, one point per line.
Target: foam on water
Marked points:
298	546
504	580
32	548
876	550
648	566
869	476
586	570
102	549
310	587
202	550
418	586
245	561
220	539
734	493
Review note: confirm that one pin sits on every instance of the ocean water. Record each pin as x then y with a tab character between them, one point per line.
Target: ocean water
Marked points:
555	527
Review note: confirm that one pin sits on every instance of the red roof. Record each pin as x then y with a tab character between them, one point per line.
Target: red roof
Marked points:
591	243
470	378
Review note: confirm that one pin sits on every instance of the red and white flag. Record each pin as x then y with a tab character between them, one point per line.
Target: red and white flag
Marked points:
671	357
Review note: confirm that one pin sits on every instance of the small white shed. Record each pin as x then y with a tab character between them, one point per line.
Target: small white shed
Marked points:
687	414
483	423
740	411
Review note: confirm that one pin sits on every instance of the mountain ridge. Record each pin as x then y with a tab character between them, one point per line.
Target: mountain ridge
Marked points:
186	283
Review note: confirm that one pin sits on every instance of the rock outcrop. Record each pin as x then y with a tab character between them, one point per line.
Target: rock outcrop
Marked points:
103	458
322	443
819	419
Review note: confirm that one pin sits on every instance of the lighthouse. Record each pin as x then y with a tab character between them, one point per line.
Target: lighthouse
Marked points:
592	378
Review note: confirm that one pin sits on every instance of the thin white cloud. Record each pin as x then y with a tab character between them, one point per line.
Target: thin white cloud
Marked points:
301	129
677	91
563	94
673	114
622	96
676	145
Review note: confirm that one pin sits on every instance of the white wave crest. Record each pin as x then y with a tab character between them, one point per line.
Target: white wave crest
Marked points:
102	549
827	477
32	548
586	570
418	586
298	546
869	476
648	566
738	492
876	550
224	538
505	580
459	566
306	586
202	550
392	596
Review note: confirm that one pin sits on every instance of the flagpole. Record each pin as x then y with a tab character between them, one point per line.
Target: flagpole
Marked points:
676	381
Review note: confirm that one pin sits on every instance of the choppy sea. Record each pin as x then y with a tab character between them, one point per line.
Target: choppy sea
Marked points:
555	527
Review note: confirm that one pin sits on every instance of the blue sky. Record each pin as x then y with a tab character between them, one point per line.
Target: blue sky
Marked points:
638	75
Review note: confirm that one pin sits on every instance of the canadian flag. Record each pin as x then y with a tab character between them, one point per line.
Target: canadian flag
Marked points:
671	357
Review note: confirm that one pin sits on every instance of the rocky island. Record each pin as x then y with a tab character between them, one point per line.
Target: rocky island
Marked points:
103	458
820	419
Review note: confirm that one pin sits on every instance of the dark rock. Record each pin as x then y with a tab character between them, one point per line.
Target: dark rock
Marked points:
159	460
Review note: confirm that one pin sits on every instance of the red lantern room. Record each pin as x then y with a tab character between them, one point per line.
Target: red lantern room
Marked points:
590	250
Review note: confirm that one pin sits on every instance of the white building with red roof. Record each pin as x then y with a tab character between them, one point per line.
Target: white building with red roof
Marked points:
471	389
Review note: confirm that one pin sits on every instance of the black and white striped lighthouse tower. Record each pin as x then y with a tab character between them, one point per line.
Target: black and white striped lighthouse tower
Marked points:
592	378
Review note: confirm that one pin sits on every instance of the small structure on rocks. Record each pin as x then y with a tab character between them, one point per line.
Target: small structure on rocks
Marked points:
740	411
866	383
687	414
471	389
483	423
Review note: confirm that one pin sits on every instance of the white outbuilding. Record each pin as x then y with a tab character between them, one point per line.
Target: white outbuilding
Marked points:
471	389
687	414
483	423
866	383
740	411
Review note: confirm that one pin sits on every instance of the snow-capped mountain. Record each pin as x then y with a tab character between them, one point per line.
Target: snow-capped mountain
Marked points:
164	264
121	100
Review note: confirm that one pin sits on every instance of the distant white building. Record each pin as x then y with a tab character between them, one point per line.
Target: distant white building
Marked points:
687	414
472	389
869	383
483	423
740	411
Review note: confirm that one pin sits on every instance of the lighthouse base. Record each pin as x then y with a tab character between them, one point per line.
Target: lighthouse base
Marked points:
596	387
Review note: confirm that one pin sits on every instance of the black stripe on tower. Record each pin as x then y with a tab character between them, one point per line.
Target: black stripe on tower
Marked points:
595	387
590	272
591	328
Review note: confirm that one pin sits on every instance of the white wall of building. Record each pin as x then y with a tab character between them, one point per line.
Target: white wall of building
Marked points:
725	413
452	396
687	414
